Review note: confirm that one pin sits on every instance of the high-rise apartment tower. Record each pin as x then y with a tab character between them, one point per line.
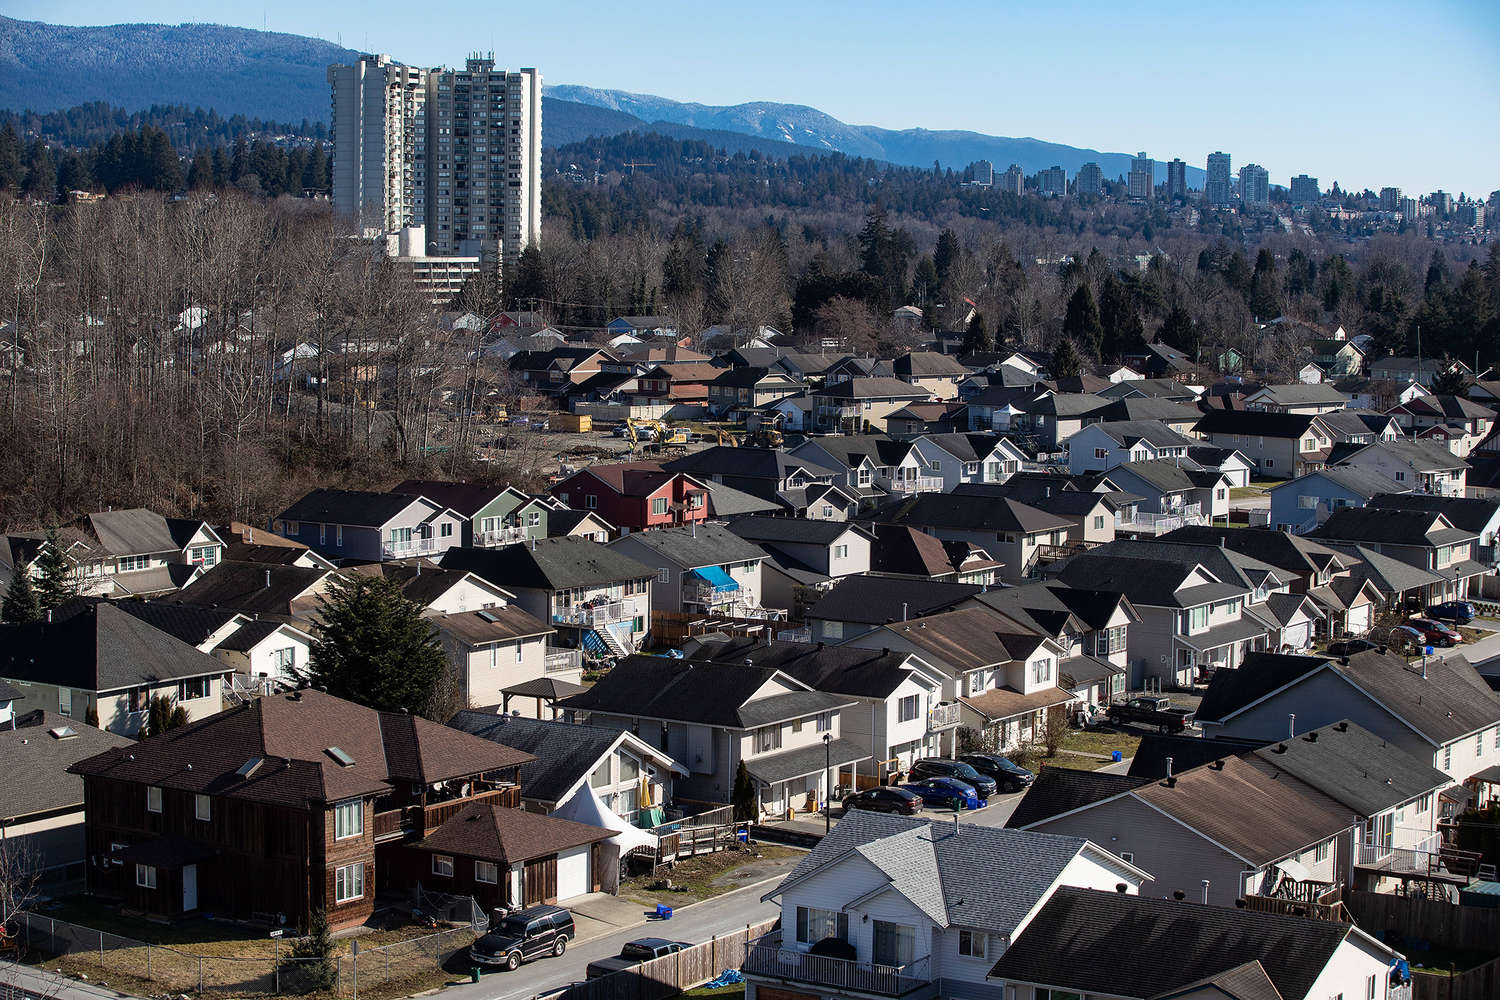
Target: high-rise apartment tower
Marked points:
1217	186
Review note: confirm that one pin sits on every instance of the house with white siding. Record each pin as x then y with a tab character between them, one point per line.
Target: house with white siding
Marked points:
891	906
1100	447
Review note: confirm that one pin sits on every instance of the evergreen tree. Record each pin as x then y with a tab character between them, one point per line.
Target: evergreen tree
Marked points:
56	583
744	797
1065	360
12	173
309	964
21	604
162	716
977	336
1179	331
41	172
73	173
1265	290
946	255
201	174
1081	324
374	647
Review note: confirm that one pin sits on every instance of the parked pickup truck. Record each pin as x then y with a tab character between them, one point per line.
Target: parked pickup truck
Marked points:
633	954
1151	711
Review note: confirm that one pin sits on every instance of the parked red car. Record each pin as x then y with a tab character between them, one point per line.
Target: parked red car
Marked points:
1435	631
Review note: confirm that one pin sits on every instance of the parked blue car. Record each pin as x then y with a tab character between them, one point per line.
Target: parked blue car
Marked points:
949	792
1461	612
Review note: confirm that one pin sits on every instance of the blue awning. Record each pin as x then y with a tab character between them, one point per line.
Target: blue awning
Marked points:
716	578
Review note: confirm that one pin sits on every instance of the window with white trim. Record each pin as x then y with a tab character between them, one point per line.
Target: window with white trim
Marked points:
442	864
487	872
908	708
971	943
767	738
1320	853
349	883
824	722
1041	671
203	807
664	575
145	876
348	819
153	799
815	924
659	505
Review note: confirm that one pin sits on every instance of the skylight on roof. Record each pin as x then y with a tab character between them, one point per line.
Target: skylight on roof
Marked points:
343	759
62	733
248	768
486	616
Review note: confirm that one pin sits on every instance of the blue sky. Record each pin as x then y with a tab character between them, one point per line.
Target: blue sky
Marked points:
1367	94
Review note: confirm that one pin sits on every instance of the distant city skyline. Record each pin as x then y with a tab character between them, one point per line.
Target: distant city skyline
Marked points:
1333	99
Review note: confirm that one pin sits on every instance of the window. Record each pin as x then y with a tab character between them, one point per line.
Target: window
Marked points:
841	552
1041	671
153	799
895	944
193	687
1220	494
348	819
283	660
487	872
534	519
1196	618
1098	522
824	722
1109	640
1448	759
145	876
129	564
767	738
322	534
590	501
971	943
815	924
1369	988
659	505
205	555
1042	994
442	864
600	777
976	682
1320	853
908	708
1424	804
445	530
1128	857
338	535
65	701
203	807
349	883
664	575
1400	476
1479	744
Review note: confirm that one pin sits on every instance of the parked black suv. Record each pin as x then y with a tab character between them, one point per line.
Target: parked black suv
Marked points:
1348	647
1010	776
526	934
941	767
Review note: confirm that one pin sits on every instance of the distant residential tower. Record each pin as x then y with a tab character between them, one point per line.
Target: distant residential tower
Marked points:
1141	182
1176	179
1090	179
1255	186
1216	186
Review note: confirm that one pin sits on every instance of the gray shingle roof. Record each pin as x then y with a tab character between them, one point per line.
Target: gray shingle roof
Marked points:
548	564
845	670
964	513
792	530
1353	766
1057	790
994	897
875	600
37	762
565	753
1390	525
701	545
358	507
1170	944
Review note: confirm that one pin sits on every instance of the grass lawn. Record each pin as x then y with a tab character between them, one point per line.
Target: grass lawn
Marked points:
1101	741
734	992
1074	761
1241	492
710	875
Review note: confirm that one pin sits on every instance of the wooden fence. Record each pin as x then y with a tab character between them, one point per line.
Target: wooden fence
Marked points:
1470	928
661	978
1479	983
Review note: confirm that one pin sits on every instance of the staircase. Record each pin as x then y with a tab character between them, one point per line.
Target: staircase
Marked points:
603	643
617	646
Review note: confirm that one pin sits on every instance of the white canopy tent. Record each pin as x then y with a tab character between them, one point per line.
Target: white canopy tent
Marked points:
585	806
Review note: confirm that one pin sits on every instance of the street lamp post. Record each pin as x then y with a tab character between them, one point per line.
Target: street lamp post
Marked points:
827	782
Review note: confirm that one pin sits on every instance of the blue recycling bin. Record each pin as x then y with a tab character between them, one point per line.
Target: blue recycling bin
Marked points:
1116	756
663	911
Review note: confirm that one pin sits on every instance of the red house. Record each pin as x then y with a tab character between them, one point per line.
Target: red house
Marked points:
635	496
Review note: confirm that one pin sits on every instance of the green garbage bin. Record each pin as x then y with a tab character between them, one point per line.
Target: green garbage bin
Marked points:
473	973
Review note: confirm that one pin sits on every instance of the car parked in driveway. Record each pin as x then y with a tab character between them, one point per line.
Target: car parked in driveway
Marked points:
949	792
1436	632
1461	612
1007	775
942	767
536	932
1406	637
1348	647
885	799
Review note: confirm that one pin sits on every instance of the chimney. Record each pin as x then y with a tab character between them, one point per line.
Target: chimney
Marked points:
1291	725
903	610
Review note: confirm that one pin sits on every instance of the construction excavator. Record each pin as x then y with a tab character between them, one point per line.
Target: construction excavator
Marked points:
657	434
767	434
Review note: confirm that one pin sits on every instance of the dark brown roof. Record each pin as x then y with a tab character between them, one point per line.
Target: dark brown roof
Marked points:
491	625
967	638
37	754
293	735
1004	703
496	833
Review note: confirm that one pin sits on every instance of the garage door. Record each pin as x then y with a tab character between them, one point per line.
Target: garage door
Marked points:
573	873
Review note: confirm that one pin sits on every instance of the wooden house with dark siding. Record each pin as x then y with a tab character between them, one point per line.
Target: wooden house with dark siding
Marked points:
278	808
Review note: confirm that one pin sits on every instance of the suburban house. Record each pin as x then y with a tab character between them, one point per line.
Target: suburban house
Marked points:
489	512
1235	466
767	473
636	496
1300	397
1301	504
1333	791
1442	712
861	604
906	552
711	717
1192	601
366	526
91	656
41	816
741	389
554	370
1338	356
1173	492
1282	445
1162	361
1046	421
281	805
895	906
1174	414
702	569
631	777
860	405
928	418
1423	371
492	650
643	327
804	558
998	407
1421	538
956	459
1012	532
131	552
1100	447
1462	422
288	593
1215	952
938	374
898	713
1377	394
1476	514
263	653
598	599
873	465
1003	676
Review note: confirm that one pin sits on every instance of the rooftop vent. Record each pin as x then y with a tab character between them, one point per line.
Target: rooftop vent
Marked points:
248	768
343	759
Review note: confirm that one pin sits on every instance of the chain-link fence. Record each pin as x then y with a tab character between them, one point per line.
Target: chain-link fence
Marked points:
384	970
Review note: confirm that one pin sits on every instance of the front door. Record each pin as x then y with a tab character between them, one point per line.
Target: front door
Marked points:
189	888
